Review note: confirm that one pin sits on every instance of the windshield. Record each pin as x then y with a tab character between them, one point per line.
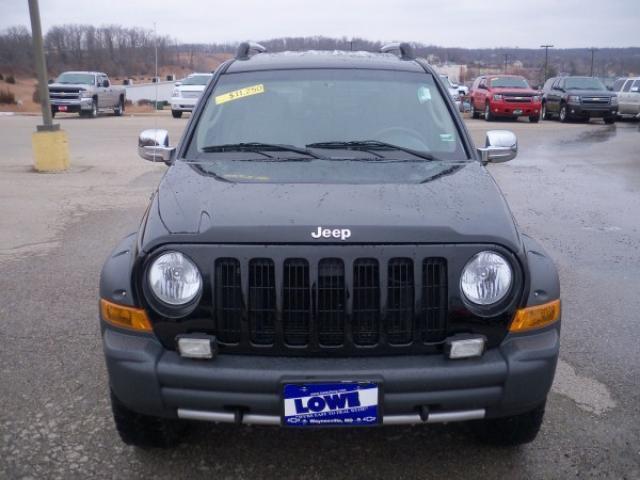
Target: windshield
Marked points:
77	78
583	83
508	82
305	107
197	80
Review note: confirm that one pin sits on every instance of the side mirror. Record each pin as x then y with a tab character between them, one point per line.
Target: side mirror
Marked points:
153	145
105	83
610	88
177	84
500	146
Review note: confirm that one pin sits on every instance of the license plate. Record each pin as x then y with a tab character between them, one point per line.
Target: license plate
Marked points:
331	404
62	108
517	112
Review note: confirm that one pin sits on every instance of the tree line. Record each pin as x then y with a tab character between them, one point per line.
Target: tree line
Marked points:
130	51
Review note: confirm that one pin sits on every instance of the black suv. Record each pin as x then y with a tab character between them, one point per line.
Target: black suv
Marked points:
327	248
581	98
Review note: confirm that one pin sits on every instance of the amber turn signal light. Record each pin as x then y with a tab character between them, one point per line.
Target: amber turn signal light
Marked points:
125	317
535	317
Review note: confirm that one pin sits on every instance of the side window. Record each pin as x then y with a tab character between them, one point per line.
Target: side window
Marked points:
556	84
618	84
627	86
636	86
483	83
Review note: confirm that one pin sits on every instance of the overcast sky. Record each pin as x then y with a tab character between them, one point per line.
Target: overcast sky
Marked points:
450	23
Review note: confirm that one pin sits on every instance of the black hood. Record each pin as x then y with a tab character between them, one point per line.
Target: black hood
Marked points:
461	205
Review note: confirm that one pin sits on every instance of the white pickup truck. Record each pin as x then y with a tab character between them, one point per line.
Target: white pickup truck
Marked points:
85	93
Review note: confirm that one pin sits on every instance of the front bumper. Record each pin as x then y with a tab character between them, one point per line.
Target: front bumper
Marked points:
511	109
592	111
72	105
180	104
511	379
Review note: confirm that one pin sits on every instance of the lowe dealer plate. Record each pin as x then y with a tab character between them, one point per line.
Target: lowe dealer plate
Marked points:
331	404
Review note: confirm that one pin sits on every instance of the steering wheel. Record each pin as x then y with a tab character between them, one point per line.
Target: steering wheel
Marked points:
402	136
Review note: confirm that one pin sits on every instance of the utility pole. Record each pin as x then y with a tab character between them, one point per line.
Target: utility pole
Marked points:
506	61
155	41
50	146
593	51
546	59
41	68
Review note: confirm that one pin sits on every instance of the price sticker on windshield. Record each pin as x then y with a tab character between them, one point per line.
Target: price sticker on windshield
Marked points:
238	94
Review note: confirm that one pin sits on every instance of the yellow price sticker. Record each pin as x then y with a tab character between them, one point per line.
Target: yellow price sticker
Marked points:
243	92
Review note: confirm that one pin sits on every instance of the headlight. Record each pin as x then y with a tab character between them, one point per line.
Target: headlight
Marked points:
574	98
176	92
174	279
486	278
497	97
85	93
614	100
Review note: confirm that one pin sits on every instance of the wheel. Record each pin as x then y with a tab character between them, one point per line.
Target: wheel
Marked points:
144	431
564	113
543	112
487	112
119	110
511	431
176	113
474	113
534	118
609	120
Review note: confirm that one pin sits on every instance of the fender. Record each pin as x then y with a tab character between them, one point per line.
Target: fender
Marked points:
544	283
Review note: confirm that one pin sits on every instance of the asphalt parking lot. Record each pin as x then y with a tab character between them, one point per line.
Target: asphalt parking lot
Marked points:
574	187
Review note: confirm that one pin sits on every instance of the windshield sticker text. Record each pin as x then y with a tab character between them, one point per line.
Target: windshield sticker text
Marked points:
242	93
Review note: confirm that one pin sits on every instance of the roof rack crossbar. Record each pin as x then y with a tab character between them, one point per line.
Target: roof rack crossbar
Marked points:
406	50
246	47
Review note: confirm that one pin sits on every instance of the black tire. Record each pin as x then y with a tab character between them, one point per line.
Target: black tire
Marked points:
609	120
511	431
119	110
487	112
144	431
534	118
563	114
176	113
474	113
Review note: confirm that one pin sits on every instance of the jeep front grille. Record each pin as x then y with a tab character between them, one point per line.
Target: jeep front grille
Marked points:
329	304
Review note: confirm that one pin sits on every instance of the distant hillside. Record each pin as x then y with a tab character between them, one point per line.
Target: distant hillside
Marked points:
123	52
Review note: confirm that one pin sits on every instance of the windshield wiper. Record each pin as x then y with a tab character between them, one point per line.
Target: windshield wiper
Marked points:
260	148
371	145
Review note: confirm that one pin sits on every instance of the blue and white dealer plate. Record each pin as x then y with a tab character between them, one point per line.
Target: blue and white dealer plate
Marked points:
331	404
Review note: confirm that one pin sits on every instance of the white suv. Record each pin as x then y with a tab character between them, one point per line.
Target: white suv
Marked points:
187	93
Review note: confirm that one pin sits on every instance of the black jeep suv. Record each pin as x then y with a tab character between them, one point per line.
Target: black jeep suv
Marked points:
327	248
581	98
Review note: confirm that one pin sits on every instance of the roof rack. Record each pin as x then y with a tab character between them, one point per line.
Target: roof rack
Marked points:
406	50
245	47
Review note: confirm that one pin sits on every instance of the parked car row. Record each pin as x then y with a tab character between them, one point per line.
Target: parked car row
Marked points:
564	98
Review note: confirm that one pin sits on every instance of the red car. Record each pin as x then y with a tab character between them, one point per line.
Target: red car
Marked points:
504	96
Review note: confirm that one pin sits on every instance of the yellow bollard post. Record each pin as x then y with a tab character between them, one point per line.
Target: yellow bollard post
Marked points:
50	150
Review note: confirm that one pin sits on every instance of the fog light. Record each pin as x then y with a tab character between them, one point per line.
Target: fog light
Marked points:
197	346
465	346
